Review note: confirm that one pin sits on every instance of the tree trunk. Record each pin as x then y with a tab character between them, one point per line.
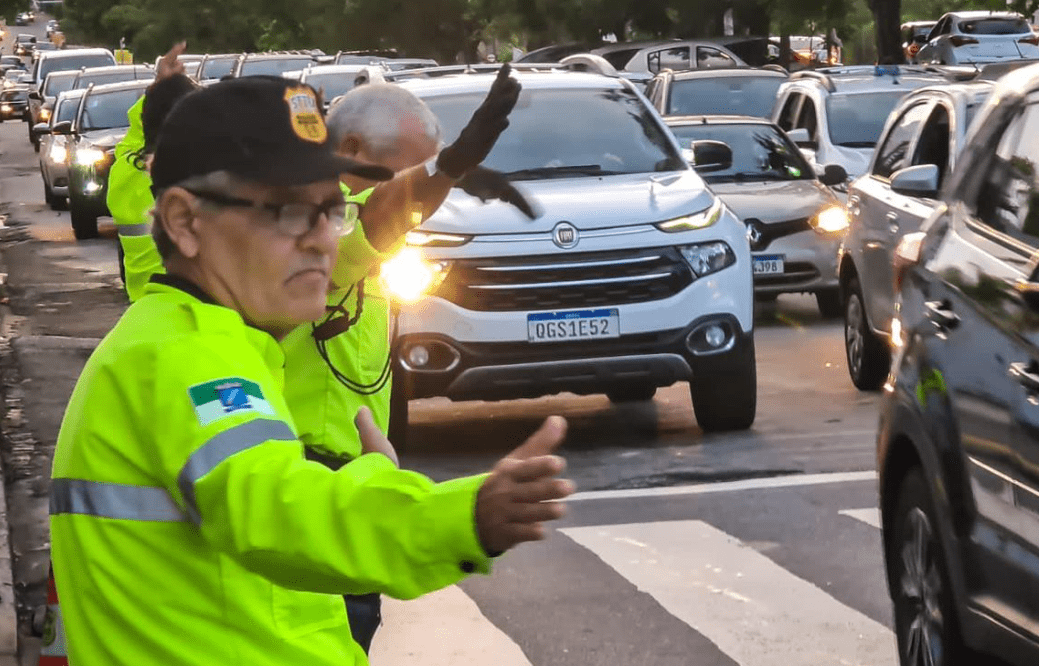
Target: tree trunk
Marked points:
888	17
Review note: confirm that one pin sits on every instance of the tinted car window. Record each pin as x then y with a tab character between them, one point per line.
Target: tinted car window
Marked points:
108	110
216	68
856	120
759	152
74	62
102	79
994	26
893	154
743	95
332	85
1008	199
273	67
620	58
66	110
14	96
675	58
707	57
54	85
609	129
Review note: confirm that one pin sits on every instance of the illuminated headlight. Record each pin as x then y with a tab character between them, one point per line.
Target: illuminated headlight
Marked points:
45	115
701	220
58	154
409	275
6	108
707	258
831	220
434	239
91	186
89	156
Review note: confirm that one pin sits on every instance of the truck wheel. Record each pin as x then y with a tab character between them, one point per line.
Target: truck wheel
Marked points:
84	222
727	398
869	357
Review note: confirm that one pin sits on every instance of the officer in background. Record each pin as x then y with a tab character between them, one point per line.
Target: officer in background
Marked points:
187	527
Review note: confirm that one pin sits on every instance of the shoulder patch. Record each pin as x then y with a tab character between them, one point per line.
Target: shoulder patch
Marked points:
221	398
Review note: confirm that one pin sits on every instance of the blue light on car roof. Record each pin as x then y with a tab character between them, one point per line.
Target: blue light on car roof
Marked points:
886	70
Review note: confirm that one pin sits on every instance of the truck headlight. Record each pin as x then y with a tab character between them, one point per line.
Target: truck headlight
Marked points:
707	258
831	220
89	156
408	275
700	220
58	154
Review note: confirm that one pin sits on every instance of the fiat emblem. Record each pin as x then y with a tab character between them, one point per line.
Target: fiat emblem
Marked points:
565	235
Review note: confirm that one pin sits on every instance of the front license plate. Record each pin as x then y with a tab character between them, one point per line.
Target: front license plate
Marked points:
768	264
573	325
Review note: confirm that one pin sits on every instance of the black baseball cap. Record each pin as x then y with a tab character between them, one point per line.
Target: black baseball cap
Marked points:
265	129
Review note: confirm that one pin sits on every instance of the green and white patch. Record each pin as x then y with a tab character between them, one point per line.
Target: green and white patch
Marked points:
224	397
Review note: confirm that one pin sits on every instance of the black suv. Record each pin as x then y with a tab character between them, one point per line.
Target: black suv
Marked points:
958	443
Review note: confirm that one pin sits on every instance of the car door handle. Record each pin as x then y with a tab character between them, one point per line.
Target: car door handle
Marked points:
1026	374
892	220
941	315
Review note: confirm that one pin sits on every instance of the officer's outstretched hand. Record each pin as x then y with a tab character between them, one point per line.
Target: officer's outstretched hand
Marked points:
168	64
516	498
372	439
487	184
488	122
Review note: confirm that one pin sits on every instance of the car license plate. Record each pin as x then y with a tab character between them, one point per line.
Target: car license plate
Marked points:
573	325
768	264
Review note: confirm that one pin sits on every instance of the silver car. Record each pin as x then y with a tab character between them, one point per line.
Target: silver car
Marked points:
794	222
977	37
917	150
54	166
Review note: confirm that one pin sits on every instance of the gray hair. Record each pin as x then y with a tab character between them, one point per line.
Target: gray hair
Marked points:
365	109
216	181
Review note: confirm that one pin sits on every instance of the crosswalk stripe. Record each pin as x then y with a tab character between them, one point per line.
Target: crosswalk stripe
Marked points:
786	481
755	611
869	516
445	628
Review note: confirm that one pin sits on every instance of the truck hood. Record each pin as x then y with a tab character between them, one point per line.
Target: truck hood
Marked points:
588	203
776	201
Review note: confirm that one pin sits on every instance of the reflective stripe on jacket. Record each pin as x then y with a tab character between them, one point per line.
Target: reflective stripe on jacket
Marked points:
188	529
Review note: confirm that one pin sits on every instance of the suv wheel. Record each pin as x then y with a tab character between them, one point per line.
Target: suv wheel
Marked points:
727	398
53	200
633	393
925	620
84	222
869	357
829	301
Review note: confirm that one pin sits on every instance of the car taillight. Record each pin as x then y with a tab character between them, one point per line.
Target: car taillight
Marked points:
907	255
1033	40
960	40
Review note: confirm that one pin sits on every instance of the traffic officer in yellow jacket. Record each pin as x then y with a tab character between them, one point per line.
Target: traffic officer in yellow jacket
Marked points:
187	528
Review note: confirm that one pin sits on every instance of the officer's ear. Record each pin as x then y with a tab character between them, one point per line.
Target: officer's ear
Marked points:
351	146
178	215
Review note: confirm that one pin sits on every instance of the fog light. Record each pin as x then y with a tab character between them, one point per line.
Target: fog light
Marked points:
418	356
91	187
714	336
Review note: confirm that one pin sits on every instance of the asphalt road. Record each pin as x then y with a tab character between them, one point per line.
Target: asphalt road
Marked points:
758	547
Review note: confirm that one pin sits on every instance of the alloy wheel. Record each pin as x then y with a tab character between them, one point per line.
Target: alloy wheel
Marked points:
921	590
854	340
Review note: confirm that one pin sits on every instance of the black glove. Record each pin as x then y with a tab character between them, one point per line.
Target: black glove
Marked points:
486	184
488	122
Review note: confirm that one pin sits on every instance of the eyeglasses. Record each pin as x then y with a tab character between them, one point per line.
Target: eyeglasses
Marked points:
294	219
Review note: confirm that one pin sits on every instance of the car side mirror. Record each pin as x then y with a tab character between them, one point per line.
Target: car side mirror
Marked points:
800	137
36	96
916	181
711	155
64	127
39	129
833	174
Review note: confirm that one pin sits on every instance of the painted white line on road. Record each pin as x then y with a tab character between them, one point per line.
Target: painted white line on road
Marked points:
445	628
869	516
755	611
787	481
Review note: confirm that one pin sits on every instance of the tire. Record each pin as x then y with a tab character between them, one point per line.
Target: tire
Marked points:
869	357
397	431
53	200
633	393
726	398
829	301
925	614
84	223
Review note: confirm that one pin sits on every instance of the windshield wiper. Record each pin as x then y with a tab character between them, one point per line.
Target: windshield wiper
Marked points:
559	171
858	144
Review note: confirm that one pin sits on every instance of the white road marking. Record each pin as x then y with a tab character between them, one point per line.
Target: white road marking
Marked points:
869	516
445	628
755	611
787	481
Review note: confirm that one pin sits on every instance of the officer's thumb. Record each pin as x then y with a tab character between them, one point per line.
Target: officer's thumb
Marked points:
543	442
372	439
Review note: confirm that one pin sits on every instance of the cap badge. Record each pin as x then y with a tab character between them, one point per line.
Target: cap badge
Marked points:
304	115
